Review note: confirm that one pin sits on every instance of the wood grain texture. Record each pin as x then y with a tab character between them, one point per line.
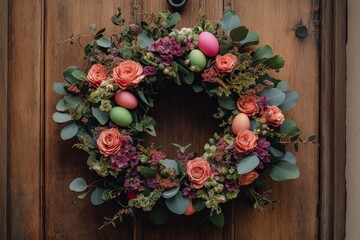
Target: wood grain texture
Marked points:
24	120
3	115
295	217
333	107
64	218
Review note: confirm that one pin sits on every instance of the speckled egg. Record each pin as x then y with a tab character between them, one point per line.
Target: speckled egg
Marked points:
240	122
197	58
126	99
208	44
120	116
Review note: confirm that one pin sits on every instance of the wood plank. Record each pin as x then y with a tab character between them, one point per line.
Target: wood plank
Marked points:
4	115
333	107
184	117
295	217
24	120
64	218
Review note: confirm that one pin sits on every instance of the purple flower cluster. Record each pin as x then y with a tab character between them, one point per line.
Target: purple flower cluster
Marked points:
262	151
263	101
155	157
231	186
167	48
149	71
188	191
134	183
126	157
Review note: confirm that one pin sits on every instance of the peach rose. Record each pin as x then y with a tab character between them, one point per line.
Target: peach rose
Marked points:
109	142
248	105
273	116
248	178
128	74
198	171
225	63
245	141
97	74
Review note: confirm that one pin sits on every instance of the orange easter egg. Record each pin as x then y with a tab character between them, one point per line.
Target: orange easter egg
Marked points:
240	122
126	99
190	210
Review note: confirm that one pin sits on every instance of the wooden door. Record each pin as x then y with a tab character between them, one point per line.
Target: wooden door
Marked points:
41	165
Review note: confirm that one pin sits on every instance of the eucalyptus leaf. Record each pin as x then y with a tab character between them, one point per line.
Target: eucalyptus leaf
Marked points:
198	204
284	170
282	85
170	193
82	195
80	75
145	40
238	34
275	152
250	40
275	96
171	164
101	116
178	204
275	62
289	157
61	117
227	103
247	164
96	196
263	52
218	220
69	131
288	127
291	98
72	101
159	215
68	74
104	42
185	75
59	88
252	124
60	106
78	185
197	87
142	97
230	21
172	20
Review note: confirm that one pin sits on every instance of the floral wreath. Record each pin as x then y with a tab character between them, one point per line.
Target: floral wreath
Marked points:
106	107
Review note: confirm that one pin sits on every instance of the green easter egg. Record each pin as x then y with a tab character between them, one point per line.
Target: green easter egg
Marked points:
197	58
121	116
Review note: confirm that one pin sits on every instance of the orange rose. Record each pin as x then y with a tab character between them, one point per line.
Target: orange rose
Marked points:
109	142
248	178
248	105
273	116
245	141
198	171
225	63
128	74
97	74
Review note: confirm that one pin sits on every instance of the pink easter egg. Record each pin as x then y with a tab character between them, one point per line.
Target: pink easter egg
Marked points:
208	44
126	99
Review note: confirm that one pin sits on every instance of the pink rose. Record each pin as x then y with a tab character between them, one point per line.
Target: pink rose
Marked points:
273	116
97	74
248	178
128	74
109	142
245	141
248	105
198	171
225	63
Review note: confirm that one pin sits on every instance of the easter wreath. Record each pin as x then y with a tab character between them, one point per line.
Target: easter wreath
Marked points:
106	105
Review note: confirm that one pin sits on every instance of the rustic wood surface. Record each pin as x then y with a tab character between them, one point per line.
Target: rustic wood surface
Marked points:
41	165
3	115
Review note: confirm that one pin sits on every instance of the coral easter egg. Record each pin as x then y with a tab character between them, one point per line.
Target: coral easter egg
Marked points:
126	99
240	122
197	58
120	116
190	210
208	44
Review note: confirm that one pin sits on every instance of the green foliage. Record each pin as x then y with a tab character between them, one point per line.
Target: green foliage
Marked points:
78	185
171	164
96	196
68	74
59	88
239	34
291	98
248	164
284	170
227	103
101	116
145	40
275	96
230	21
250	40
170	193
80	75
104	42
61	117
177	204
69	131
218	220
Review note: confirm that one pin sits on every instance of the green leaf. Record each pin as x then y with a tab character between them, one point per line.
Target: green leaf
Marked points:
263	52
291	98
171	164
288	127
172	20
227	103
282	85
147	172
218	220
197	87
78	185
185	75
311	138
59	88
142	97
230	21
250	40
80	75
170	193
145	40
289	157
60	106
69	131
150	129
275	96
247	164
275	152
82	195
68	74
159	214
96	196
101	116
177	204
238	34
283	170
72	101
276	62
61	117
104	42
198	204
